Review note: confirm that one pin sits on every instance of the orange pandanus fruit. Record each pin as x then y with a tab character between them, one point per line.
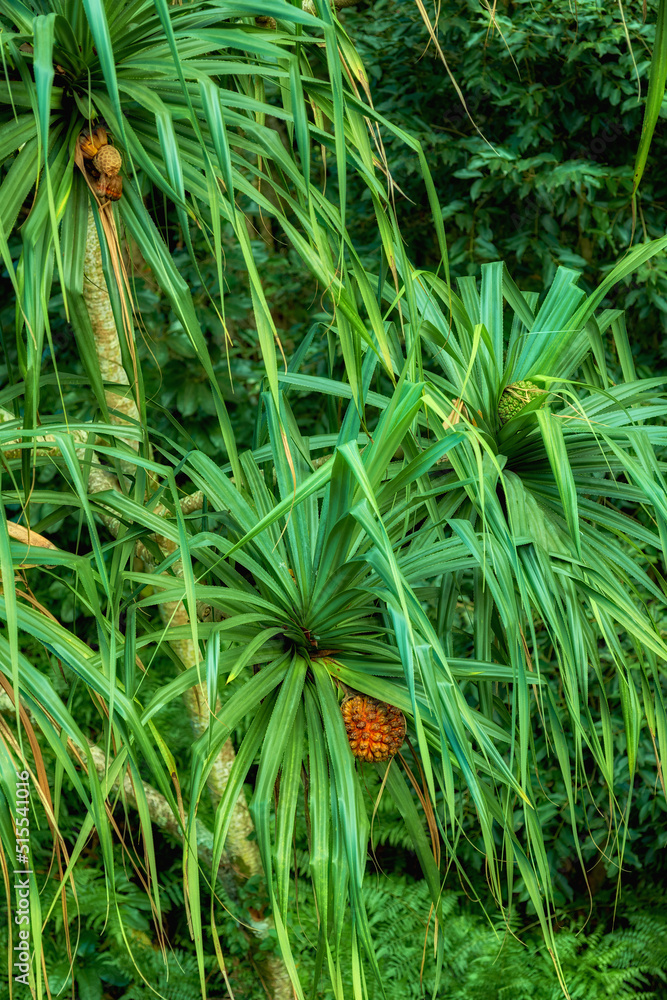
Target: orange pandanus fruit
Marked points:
375	730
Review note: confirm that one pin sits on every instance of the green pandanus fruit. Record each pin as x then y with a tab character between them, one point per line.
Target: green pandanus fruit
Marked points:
516	396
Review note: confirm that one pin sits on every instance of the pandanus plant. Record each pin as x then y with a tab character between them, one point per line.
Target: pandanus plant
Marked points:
558	493
203	111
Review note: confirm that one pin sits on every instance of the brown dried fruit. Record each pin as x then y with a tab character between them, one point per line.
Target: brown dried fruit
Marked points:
108	161
102	185
375	730
114	188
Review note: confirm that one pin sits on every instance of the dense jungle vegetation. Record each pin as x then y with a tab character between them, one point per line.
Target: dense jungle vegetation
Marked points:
336	450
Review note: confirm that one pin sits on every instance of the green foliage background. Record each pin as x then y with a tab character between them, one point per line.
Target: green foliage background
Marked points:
547	183
554	94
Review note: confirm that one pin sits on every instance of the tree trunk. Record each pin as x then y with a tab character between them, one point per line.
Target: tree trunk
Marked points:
107	343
